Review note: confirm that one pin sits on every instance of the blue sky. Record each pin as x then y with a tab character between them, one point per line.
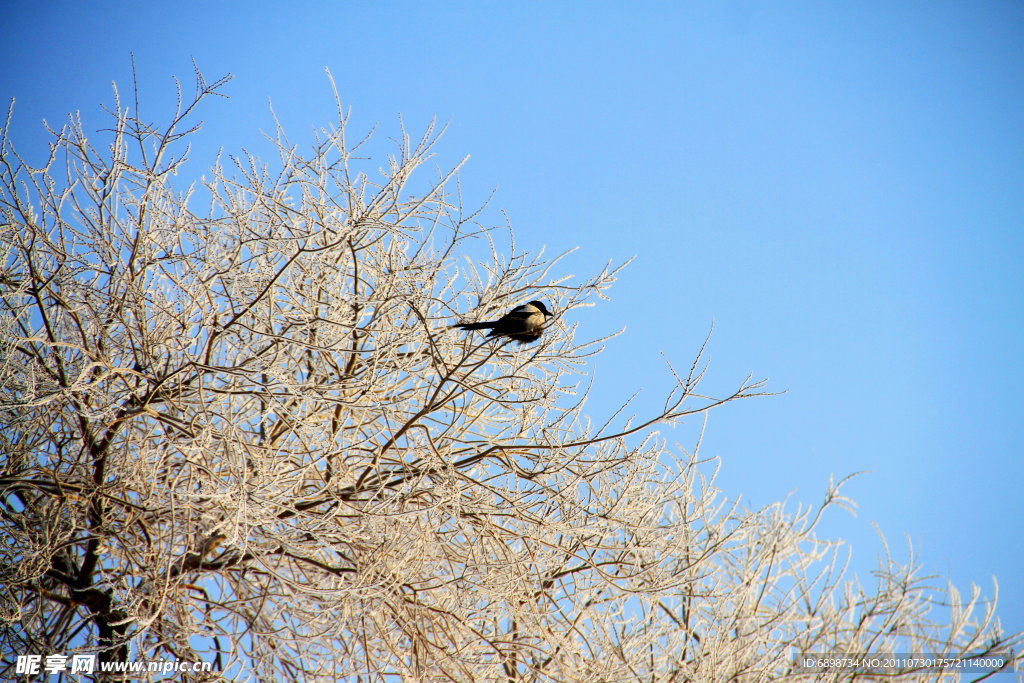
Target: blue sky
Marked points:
839	185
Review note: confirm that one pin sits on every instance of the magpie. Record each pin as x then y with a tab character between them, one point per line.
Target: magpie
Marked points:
523	324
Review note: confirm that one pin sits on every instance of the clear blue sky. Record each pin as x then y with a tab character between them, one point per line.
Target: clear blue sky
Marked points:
839	185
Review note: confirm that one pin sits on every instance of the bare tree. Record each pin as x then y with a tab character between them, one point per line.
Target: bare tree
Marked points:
248	435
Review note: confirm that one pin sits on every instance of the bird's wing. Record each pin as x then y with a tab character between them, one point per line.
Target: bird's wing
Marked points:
520	313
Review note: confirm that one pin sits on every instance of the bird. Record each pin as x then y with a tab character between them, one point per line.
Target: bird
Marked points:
523	324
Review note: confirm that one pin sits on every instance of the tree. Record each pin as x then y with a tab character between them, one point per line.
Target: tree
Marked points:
247	434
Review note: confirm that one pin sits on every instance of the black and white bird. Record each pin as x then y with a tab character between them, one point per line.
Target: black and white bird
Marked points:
523	324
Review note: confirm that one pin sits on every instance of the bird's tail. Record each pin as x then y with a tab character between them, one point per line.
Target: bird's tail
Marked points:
474	326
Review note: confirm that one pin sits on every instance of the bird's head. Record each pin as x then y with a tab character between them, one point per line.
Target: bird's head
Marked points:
539	305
